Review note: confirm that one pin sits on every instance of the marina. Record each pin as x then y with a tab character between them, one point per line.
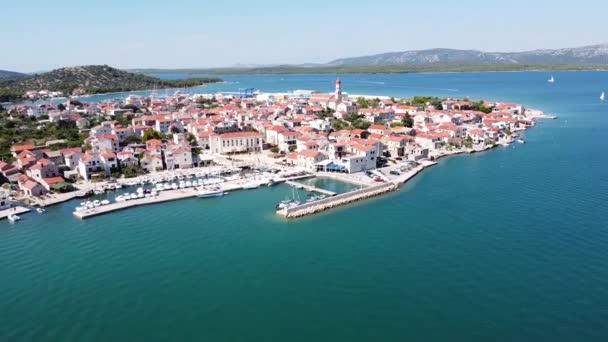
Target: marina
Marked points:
310	188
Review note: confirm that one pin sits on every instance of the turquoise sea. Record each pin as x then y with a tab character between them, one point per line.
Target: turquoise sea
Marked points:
506	245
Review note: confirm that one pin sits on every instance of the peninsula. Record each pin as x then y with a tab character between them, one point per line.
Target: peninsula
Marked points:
206	144
90	79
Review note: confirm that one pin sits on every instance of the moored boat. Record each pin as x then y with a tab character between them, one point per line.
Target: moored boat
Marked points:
213	192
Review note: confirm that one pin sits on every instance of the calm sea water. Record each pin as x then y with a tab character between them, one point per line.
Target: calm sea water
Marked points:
507	245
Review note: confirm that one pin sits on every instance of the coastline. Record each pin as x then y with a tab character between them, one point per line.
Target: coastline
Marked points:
357	179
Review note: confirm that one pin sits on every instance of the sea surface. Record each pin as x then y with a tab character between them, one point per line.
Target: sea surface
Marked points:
505	245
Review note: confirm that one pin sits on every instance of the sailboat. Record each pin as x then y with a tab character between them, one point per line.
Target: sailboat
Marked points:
602	97
551	80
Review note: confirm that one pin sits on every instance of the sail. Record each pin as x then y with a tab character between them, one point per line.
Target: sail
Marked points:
602	96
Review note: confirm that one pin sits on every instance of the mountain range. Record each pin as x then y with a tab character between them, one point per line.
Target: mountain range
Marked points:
592	54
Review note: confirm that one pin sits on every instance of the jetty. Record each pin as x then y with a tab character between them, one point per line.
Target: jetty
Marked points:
338	200
310	188
14	210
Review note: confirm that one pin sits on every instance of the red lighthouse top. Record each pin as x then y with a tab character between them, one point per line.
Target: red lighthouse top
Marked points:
338	81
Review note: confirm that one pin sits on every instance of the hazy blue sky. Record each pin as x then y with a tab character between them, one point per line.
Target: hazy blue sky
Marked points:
44	34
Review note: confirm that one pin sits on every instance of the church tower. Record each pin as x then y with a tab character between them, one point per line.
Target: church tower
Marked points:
338	90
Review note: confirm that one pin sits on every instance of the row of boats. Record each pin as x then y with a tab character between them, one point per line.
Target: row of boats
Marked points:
92	204
294	201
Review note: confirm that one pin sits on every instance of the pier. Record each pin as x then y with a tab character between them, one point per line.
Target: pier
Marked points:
14	210
311	188
338	200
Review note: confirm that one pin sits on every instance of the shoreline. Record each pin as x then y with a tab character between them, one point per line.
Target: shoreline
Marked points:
359	179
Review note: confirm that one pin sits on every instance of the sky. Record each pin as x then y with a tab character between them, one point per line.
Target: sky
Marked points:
41	35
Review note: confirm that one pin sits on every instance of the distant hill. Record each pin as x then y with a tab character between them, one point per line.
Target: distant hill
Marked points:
593	54
93	79
10	75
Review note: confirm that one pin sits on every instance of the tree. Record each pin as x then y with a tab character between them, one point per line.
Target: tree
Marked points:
132	107
361	124
480	107
133	139
362	102
337	125
292	148
408	121
274	149
151	134
468	142
61	107
191	139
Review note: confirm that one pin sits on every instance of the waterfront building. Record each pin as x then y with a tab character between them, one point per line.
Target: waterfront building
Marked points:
237	142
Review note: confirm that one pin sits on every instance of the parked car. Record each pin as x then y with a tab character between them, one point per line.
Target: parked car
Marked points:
395	172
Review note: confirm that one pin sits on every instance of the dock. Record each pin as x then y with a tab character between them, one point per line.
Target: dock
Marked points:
14	210
311	188
164	196
338	200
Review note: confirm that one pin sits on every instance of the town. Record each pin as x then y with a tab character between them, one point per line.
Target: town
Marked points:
304	130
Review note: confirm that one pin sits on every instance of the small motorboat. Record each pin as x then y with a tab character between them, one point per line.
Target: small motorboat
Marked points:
105	202
521	141
40	210
13	218
250	186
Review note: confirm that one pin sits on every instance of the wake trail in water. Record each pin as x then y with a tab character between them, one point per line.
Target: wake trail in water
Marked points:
372	82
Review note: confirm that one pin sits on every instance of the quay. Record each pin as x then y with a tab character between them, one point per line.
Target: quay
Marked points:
165	196
338	200
311	188
14	210
350	197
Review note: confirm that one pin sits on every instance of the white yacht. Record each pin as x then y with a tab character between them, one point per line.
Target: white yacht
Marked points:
551	80
249	186
212	192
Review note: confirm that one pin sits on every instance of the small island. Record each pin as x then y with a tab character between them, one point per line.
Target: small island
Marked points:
183	146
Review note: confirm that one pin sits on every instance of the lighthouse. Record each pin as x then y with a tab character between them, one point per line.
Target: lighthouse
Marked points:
338	90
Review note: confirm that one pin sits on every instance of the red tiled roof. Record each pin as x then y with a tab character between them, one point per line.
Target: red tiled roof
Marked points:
20	148
239	135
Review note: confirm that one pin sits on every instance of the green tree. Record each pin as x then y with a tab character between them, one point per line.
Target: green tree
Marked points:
468	142
362	102
408	121
133	139
151	134
292	148
274	149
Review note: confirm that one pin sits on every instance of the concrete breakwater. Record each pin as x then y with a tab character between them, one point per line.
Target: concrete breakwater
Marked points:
338	200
